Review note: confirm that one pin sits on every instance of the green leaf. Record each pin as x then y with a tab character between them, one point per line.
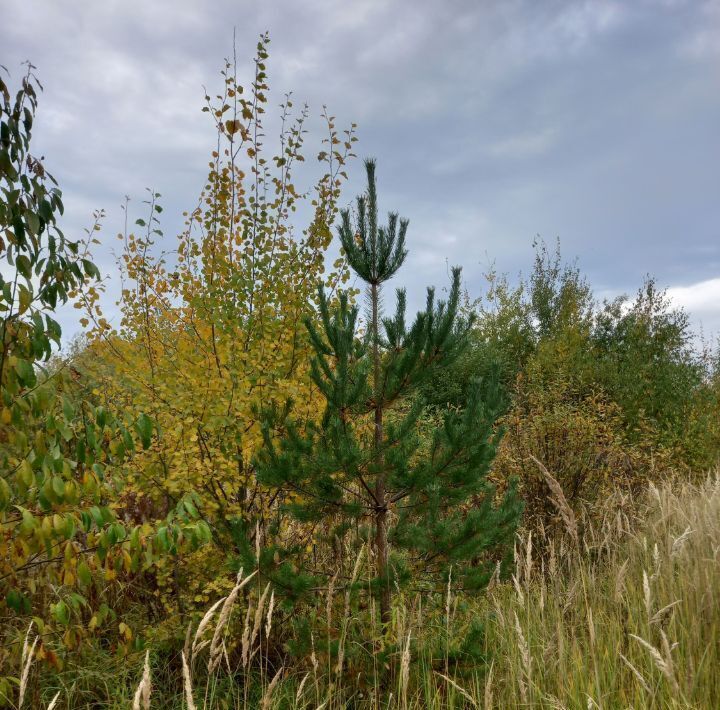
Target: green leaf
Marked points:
68	408
33	223
84	574
90	269
24	266
144	427
17	601
162	538
61	613
28	521
191	509
46	211
86	520
24	299
97	516
70	527
120	532
25	473
58	485
5	494
203	532
19	229
25	372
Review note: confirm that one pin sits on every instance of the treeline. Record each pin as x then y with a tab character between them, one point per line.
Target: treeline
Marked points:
607	394
238	419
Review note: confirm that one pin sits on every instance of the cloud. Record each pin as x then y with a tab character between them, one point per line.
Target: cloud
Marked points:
702	301
580	22
524	145
492	122
704	41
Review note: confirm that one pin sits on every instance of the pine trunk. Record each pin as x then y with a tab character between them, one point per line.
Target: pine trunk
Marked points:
381	551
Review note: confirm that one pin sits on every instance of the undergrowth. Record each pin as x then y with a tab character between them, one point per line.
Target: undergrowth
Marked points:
619	610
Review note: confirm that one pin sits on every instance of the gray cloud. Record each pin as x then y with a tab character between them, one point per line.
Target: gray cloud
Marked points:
593	121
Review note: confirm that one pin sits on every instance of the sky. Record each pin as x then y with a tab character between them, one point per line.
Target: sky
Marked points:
595	122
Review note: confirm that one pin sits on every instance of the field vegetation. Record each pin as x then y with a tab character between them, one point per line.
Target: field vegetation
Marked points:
259	482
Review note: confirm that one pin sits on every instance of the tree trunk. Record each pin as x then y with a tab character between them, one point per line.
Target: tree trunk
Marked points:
381	551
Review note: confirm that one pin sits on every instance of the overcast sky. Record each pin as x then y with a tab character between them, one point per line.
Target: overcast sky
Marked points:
596	122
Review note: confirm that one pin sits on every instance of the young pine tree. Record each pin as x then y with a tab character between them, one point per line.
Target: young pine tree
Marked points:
428	501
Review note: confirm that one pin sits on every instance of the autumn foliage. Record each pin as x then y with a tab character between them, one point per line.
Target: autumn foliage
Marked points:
212	330
234	468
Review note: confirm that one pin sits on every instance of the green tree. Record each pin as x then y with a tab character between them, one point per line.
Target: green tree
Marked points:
62	454
560	297
428	499
645	359
501	341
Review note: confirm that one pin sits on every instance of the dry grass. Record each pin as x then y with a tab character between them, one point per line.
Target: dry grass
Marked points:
633	622
621	611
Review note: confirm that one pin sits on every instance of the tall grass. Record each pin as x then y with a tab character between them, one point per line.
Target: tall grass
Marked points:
621	610
627	617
